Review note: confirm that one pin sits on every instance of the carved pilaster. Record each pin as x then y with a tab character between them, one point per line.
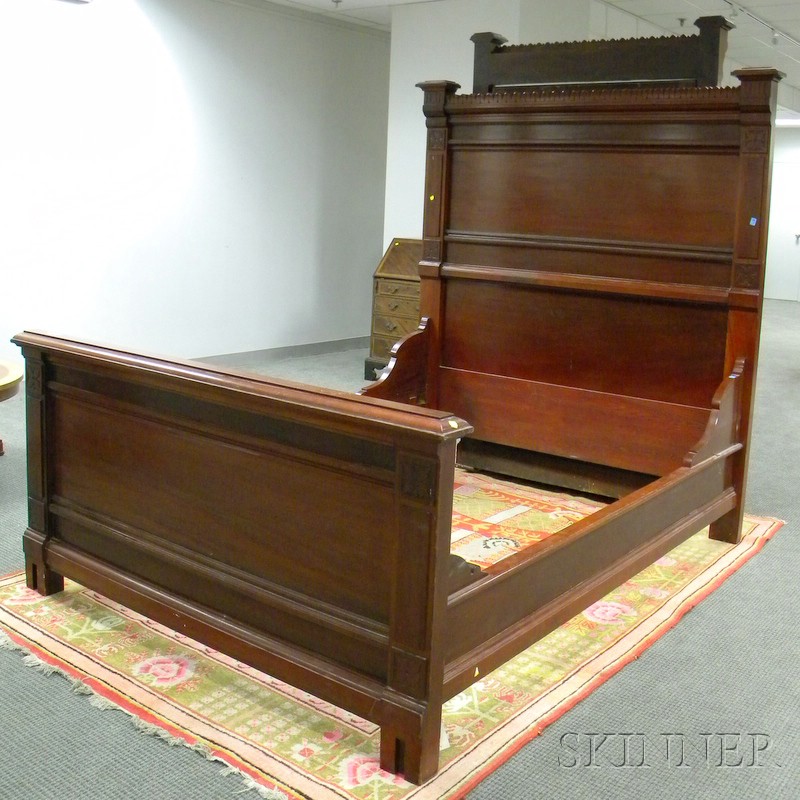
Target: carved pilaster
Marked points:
34	409
434	108
34	371
437	139
486	44
415	665
436	94
712	45
39	576
759	89
757	103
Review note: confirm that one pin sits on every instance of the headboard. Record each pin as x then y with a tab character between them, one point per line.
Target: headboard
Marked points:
593	263
676	60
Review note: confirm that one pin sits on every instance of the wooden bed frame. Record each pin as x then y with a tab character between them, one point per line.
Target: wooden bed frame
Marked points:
591	291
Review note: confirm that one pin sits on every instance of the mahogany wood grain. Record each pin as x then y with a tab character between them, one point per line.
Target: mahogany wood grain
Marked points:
576	423
595	341
591	193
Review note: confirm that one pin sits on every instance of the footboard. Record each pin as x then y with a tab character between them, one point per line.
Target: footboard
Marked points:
300	530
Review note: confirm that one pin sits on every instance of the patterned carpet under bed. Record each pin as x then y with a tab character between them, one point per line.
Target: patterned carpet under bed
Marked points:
495	518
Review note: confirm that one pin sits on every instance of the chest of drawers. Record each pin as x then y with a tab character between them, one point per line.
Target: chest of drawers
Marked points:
395	301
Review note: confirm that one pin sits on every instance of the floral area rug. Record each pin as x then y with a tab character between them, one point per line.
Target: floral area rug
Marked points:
289	745
494	518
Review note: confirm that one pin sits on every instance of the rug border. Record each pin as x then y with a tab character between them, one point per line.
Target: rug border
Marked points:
137	711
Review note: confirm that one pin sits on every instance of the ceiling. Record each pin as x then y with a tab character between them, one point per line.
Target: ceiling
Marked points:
767	32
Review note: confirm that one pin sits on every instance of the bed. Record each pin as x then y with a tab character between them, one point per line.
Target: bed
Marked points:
591	294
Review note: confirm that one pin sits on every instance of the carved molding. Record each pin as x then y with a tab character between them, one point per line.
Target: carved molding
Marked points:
755	140
725	97
746	276
431	250
437	138
34	378
408	673
418	478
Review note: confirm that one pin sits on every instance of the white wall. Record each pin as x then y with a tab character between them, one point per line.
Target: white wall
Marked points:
782	281
189	177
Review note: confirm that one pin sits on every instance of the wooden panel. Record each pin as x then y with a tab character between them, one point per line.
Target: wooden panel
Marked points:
603	343
678	270
574	423
647	131
594	193
353	640
693	59
192	483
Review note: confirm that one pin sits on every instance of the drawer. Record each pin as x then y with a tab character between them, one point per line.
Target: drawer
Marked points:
381	346
398	288
396	306
394	326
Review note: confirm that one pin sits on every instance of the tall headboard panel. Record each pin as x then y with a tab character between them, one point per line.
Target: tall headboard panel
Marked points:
595	258
675	60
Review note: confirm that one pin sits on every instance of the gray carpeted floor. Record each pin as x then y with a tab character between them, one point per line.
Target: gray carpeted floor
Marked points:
722	688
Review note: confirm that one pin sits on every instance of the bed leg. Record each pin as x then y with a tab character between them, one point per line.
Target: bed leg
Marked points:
728	528
38	576
43	580
415	757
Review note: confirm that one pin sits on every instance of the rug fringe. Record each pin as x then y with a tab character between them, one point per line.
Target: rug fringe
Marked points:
250	785
147	728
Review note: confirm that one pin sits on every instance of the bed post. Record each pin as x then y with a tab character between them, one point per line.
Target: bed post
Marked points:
485	45
411	730
38	575
757	105
437	169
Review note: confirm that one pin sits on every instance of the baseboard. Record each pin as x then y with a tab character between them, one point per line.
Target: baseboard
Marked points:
261	357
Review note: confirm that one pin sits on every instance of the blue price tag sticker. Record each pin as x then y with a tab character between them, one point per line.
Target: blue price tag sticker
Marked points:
753	221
